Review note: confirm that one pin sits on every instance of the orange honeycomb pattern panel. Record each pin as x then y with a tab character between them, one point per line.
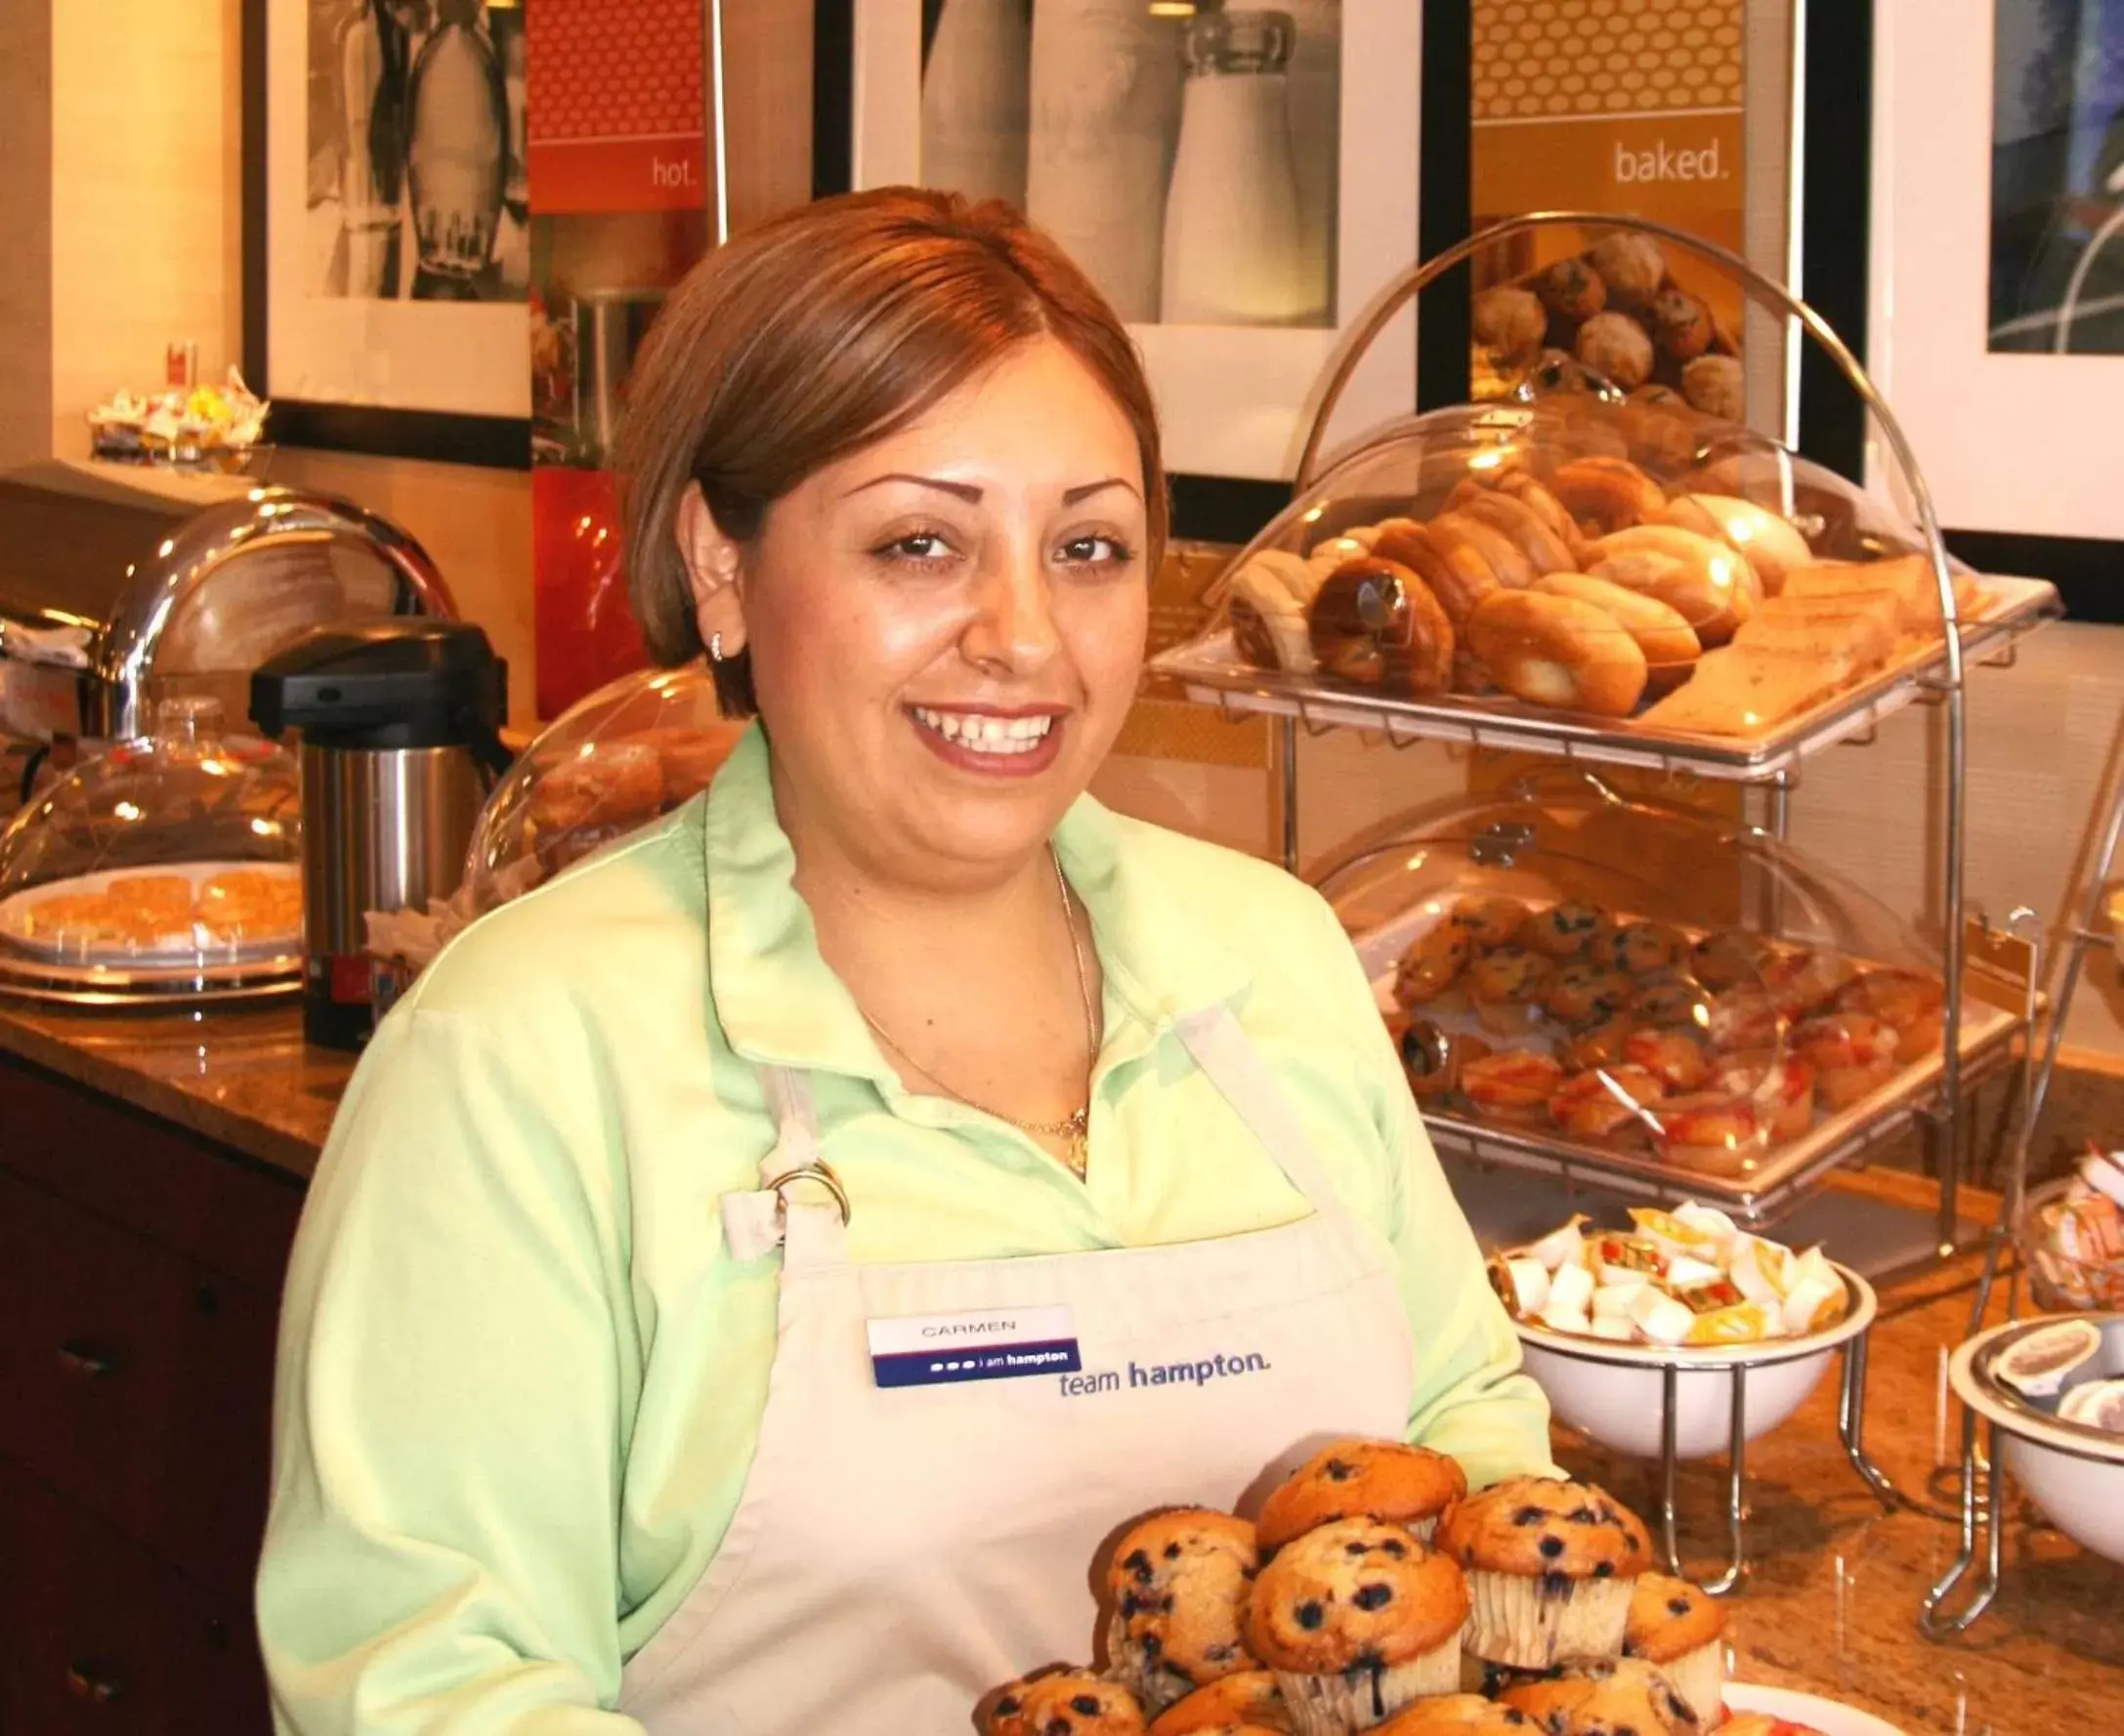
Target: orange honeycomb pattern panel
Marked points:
1536	60
613	70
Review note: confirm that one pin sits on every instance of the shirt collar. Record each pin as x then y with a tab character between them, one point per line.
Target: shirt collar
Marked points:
779	1002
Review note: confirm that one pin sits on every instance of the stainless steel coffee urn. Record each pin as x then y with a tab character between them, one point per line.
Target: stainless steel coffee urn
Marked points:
401	723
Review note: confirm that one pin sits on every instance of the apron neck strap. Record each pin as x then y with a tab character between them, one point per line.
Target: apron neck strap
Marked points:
799	1206
1229	1060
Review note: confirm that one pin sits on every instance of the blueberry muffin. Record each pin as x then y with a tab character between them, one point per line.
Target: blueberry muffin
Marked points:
1384	1480
1357	1619
1564	930
1606	1700
1228	1706
1638	947
1459	1714
1177	1597
1069	1703
1551	1568
1680	1631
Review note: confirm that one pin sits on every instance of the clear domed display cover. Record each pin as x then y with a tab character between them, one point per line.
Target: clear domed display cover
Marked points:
1577	565
614	761
1579	981
167	864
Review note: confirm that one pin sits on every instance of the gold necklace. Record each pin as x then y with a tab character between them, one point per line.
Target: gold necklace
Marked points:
1077	1128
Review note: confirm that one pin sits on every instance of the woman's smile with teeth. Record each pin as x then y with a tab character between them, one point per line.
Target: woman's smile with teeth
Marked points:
985	733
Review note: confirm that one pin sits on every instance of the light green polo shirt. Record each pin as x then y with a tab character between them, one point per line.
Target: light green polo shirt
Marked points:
521	1376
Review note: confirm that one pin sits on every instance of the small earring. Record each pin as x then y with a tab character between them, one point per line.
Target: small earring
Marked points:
715	648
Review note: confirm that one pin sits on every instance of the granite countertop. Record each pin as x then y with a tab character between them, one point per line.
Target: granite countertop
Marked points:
241	1078
1830	1606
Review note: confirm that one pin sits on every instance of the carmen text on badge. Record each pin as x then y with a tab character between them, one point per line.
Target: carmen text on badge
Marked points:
1163	1373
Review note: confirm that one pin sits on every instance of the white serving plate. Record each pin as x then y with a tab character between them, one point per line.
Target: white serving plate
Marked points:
180	948
2074	1473
1612	1392
1830	1716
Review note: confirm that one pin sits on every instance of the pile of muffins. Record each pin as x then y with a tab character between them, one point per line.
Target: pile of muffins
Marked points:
1615	309
1375	1592
1625	1033
1586	585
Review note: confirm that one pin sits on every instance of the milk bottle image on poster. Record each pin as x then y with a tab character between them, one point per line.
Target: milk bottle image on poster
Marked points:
1232	250
1105	115
975	100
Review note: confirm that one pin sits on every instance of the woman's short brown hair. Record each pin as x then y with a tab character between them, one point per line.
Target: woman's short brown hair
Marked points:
818	332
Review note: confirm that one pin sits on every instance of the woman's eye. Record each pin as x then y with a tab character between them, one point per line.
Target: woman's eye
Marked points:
918	548
1095	551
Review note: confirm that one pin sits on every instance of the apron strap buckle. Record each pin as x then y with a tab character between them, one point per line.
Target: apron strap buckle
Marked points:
756	1223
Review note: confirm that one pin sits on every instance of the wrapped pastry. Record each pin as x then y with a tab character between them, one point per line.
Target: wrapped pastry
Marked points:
1270	596
1373	621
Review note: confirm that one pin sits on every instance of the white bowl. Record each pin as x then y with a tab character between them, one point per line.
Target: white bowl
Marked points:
1832	1717
1612	1391
2074	1473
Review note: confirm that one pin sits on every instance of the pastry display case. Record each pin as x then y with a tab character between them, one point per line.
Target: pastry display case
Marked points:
1578	571
1628	993
614	761
167	867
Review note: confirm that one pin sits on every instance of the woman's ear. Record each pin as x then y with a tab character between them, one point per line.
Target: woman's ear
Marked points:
711	573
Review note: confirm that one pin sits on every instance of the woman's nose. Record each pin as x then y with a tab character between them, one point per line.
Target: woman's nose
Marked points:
1013	619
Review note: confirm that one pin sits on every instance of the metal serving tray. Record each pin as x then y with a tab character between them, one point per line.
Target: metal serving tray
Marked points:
1212	672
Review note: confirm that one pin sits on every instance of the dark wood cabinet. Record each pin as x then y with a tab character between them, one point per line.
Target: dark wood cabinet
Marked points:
140	1270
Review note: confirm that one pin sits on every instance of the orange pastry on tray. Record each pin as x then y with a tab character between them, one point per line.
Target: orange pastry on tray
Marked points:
1715	1132
1601	1105
1675	1057
1512	1089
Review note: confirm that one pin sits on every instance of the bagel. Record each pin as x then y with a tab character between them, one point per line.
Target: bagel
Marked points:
1557	651
1530	532
1457	575
1507	564
1269	597
1607	495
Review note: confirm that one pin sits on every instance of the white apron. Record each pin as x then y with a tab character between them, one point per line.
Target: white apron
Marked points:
900	1550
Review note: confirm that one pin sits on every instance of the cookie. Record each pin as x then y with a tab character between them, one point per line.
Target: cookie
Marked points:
1490	921
1357	1619
1638	947
1431	965
1069	1703
1563	930
1606	1700
1384	1480
1176	1595
1551	1566
1508	973
1584	992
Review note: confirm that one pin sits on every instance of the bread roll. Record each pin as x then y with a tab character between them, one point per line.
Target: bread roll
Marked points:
1457	575
1681	323
1510	320
1658	627
1616	346
1633	268
1713	385
1557	650
1572	289
1711	584
1607	495
1375	621
1772	544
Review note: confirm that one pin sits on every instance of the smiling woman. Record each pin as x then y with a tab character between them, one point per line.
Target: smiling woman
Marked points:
608	1396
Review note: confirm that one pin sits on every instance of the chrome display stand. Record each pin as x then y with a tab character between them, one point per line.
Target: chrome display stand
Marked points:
1982	1478
1940	683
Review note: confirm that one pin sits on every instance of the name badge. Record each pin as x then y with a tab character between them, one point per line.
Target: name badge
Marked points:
995	1344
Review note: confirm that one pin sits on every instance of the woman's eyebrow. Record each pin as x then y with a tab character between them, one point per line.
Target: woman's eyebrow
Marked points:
1071	497
971	494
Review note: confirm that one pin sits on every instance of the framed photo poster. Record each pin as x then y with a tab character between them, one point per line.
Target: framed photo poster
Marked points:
1997	269
1239	183
386	234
